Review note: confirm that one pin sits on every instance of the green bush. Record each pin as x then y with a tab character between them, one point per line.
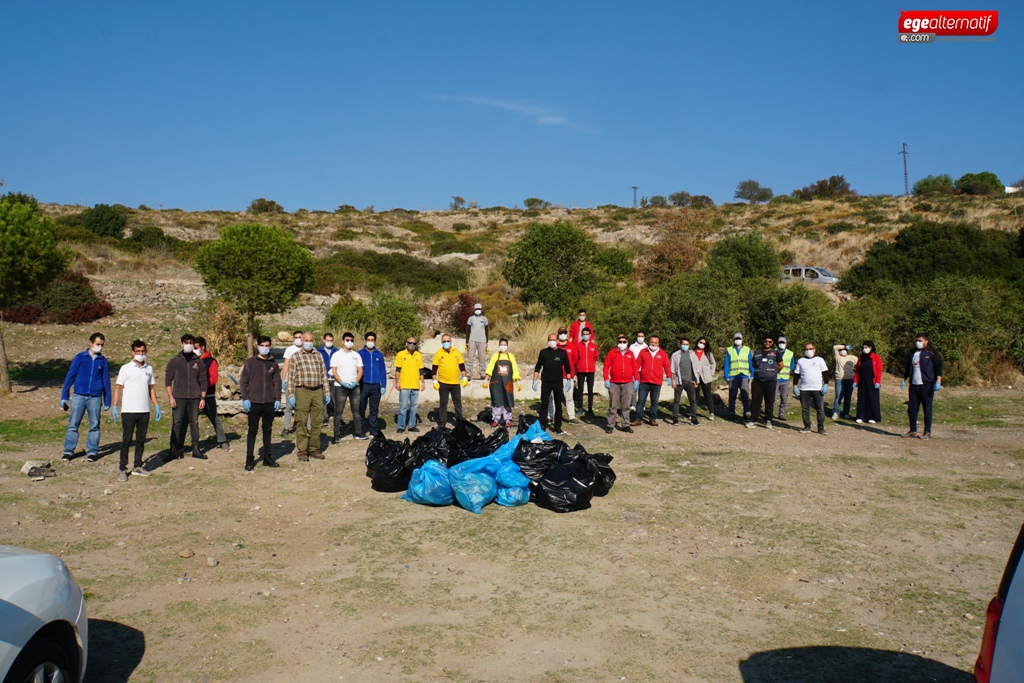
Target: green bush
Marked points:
833	187
553	263
933	185
392	318
105	221
984	183
534	203
344	234
705	303
21	198
615	310
346	271
263	205
748	255
461	227
783	199
614	262
701	201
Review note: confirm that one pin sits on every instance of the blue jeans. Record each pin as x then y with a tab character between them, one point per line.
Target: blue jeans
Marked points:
408	401
843	396
80	405
652	390
369	397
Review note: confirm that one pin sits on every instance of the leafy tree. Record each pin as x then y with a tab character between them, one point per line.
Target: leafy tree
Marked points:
832	188
21	198
679	198
984	183
105	221
258	268
748	255
552	263
616	263
457	203
659	200
701	201
698	304
535	203
617	310
934	184
29	259
262	205
752	191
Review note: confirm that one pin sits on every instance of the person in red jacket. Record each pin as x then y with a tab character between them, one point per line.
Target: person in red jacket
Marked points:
210	407
586	367
621	372
867	375
655	367
578	326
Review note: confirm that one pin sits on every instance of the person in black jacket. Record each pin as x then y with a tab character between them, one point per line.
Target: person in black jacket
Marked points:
186	384
924	370
767	363
551	362
261	399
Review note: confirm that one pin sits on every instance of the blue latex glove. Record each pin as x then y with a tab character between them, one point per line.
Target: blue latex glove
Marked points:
63	405
284	385
824	390
938	385
849	348
349	385
159	413
607	384
568	385
877	385
115	413
903	385
247	405
327	399
668	380
106	408
291	401
383	390
796	391
534	385
636	385
277	406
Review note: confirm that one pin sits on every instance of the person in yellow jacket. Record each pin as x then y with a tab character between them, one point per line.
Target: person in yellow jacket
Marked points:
502	372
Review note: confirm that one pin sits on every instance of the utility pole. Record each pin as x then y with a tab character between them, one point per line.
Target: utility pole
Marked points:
634	188
906	182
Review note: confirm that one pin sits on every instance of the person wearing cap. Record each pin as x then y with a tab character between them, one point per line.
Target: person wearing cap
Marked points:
766	363
845	379
785	372
586	367
567	377
620	372
477	348
581	326
738	361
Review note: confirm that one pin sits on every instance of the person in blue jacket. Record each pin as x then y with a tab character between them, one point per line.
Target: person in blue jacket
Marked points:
89	377
327	351
924	370
374	383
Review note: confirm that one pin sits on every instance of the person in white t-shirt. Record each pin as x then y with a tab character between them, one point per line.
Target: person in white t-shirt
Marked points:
286	425
811	385
135	392
346	372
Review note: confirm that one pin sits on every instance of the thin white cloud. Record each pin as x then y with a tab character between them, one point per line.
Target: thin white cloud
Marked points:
541	114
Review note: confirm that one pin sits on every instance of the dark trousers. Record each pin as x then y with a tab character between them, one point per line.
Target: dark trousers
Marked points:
551	390
139	424
370	396
455	391
709	397
691	393
187	409
741	385
577	395
654	391
921	395
340	396
210	411
843	397
258	412
762	391
813	397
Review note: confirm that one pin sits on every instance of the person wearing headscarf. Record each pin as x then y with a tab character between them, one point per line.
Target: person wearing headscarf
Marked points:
867	382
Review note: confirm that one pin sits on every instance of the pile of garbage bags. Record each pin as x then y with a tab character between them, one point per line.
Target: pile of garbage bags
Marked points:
460	465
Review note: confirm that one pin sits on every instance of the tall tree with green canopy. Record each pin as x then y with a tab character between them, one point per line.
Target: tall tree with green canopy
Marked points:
552	263
258	268
29	259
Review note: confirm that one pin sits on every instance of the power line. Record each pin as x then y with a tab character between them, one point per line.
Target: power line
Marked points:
634	188
906	182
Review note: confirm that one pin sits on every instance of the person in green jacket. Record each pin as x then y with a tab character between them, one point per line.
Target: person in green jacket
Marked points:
738	361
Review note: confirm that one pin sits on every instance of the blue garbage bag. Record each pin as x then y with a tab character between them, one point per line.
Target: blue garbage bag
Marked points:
430	485
473	490
513	496
510	476
535	432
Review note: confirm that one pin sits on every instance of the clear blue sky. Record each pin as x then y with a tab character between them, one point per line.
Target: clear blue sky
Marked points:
208	105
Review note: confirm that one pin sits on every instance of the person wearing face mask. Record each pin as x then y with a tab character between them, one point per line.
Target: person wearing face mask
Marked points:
845	379
374	383
260	387
620	372
655	368
586	368
811	375
638	345
478	331
135	393
785	372
581	326
766	363
924	370
567	378
327	349
308	393
186	383
738	362
684	378
346	373
89	378
210	407
704	367
867	380
449	372
286	425
501	377
552	366
409	380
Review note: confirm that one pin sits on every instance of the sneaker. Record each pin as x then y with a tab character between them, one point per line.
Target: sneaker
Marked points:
268	462
66	457
92	457
140	472
559	432
805	430
768	424
417	429
926	435
822	431
859	421
627	429
871	422
694	423
751	425
361	437
675	423
782	416
508	424
224	446
835	416
494	423
910	435
401	430
711	417
199	455
250	465
122	475
608	430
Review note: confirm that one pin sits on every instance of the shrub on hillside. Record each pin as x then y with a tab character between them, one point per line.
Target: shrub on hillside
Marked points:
346	271
68	300
748	255
535	203
833	187
21	198
701	201
613	262
105	221
934	185
553	264
615	310
392	318
263	205
984	183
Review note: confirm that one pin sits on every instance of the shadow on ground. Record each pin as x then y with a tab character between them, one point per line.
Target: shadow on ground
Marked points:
41	373
115	650
831	664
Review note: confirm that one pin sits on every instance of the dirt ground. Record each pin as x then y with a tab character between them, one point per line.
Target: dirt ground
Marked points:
721	553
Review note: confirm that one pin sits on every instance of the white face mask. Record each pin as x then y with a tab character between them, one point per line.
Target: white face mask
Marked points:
563	336
640	340
503	347
97	349
552	344
478	311
187	348
622	346
866	350
700	345
348	343
919	344
308	346
298	341
328	344
653	348
782	346
809	353
370	344
737	342
582	318
842	352
585	337
264	350
140	357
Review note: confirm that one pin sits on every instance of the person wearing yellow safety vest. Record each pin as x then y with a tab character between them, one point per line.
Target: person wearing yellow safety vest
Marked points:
785	372
738	361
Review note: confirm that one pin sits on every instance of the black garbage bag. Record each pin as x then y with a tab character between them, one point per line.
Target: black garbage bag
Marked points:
497	439
535	459
602	461
525	422
432	445
485	415
386	464
434	417
465	436
568	485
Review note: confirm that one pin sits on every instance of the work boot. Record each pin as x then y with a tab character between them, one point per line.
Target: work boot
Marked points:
269	462
250	463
